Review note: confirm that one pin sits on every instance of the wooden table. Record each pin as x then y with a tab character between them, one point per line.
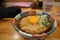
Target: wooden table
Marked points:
7	32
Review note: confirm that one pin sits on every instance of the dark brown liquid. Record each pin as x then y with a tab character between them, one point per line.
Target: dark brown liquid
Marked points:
37	5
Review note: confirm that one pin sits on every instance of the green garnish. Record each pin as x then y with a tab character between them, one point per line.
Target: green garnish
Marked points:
44	20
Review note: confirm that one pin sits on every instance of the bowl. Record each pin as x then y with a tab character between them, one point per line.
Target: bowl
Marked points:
33	36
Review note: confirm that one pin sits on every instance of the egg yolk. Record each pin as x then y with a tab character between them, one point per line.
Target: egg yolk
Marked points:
33	19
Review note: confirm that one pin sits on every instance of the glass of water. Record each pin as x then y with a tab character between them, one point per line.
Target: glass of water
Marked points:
47	5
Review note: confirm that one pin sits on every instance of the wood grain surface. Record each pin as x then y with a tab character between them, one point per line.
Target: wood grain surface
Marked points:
7	32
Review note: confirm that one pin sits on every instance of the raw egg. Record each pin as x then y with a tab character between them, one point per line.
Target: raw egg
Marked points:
33	19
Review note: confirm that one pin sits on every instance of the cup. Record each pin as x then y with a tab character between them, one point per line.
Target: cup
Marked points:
47	5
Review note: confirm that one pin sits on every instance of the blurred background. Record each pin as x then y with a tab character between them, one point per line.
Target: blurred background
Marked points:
23	0
12	2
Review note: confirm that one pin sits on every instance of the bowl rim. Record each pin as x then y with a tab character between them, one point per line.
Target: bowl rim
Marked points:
31	35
